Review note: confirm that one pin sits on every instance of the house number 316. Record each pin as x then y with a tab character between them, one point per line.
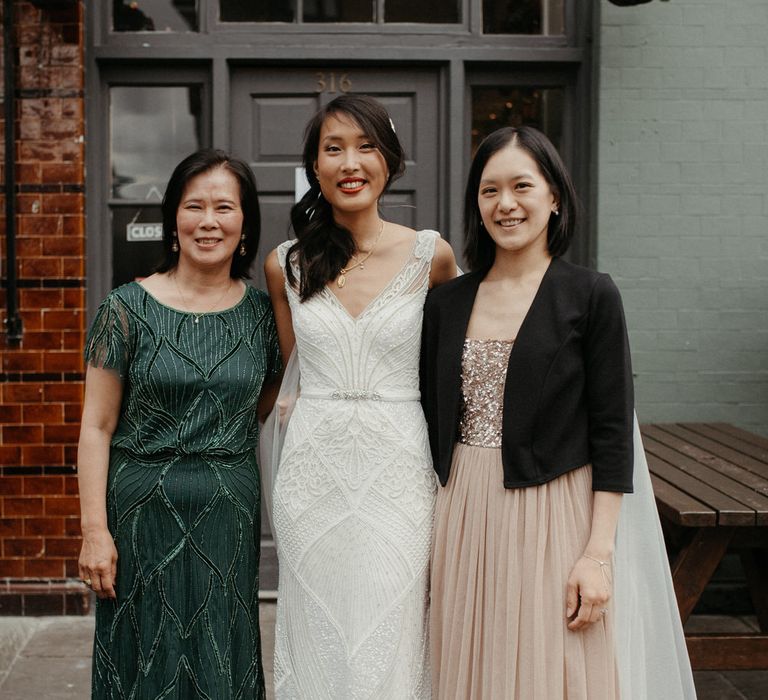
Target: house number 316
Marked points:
332	82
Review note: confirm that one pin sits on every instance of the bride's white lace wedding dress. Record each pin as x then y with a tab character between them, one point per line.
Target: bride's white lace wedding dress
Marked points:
354	497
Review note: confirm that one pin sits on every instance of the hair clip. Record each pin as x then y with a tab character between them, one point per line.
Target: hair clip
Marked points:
392	124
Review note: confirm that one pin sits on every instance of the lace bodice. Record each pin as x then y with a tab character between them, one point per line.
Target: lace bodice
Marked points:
373	354
483	374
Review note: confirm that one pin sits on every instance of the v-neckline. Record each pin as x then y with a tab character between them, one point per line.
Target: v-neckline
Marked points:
327	289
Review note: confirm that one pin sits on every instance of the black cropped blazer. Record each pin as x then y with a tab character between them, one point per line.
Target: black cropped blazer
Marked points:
568	397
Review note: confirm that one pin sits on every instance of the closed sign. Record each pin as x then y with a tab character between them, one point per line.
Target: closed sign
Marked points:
144	232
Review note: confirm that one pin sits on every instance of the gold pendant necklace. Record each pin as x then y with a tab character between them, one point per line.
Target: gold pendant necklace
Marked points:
197	314
342	278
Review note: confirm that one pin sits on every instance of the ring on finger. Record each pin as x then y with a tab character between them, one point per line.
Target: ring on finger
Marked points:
87	582
603	611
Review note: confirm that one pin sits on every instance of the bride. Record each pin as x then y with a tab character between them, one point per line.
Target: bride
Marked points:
354	494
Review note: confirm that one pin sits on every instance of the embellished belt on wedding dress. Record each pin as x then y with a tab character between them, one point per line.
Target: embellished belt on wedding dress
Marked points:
362	395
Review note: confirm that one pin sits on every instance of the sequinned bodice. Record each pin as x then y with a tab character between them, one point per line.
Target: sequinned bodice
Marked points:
483	373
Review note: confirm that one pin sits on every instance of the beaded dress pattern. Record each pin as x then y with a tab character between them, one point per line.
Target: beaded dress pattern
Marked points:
183	498
354	499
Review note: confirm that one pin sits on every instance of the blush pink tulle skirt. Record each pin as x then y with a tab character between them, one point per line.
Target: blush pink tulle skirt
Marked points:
501	561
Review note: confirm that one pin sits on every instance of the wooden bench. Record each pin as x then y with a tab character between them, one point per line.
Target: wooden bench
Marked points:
711	486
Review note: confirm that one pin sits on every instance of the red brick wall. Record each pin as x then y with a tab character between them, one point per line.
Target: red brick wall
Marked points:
41	377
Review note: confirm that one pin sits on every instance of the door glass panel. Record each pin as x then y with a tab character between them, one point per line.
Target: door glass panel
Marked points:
426	11
155	16
523	17
137	247
151	129
339	10
494	107
257	11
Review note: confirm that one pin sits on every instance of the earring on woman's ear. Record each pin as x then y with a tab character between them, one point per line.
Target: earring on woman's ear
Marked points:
175	244
556	212
242	244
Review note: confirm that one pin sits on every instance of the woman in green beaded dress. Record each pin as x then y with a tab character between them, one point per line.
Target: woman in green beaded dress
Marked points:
169	486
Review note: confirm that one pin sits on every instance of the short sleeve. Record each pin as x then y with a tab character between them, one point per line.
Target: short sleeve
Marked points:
107	345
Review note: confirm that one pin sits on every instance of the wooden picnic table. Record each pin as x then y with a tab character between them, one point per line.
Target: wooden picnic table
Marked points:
710	481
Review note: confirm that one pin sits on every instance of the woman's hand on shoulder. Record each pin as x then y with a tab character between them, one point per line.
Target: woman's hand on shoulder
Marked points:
443	264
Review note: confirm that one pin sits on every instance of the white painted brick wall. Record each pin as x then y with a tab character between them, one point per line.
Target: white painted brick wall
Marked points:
683	202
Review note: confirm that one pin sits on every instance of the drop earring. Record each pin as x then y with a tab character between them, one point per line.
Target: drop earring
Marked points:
242	244
175	244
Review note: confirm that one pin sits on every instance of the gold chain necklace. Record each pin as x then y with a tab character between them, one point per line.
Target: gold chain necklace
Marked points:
359	262
197	314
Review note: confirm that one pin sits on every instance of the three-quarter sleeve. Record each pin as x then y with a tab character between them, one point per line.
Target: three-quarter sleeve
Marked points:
108	342
610	393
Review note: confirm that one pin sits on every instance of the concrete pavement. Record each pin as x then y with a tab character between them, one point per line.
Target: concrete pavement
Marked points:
46	657
49	658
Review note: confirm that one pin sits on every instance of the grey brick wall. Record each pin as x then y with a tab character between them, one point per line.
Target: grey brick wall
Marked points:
683	202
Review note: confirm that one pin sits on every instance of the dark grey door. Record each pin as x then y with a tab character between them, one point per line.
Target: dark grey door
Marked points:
272	105
270	108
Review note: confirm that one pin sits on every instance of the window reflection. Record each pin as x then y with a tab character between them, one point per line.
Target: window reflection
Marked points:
151	129
339	10
423	11
155	15
523	17
257	11
427	11
496	107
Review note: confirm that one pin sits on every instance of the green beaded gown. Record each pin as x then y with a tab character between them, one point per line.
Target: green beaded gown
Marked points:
183	498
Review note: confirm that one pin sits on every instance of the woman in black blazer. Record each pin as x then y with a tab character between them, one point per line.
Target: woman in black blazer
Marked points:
527	390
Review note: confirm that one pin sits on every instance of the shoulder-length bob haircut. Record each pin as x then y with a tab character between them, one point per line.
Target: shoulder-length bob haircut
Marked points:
322	246
197	163
479	248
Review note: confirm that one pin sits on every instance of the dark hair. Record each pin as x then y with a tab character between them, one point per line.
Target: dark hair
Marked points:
196	164
479	248
322	246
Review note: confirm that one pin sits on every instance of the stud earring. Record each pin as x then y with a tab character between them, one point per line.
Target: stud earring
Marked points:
556	212
175	244
242	244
